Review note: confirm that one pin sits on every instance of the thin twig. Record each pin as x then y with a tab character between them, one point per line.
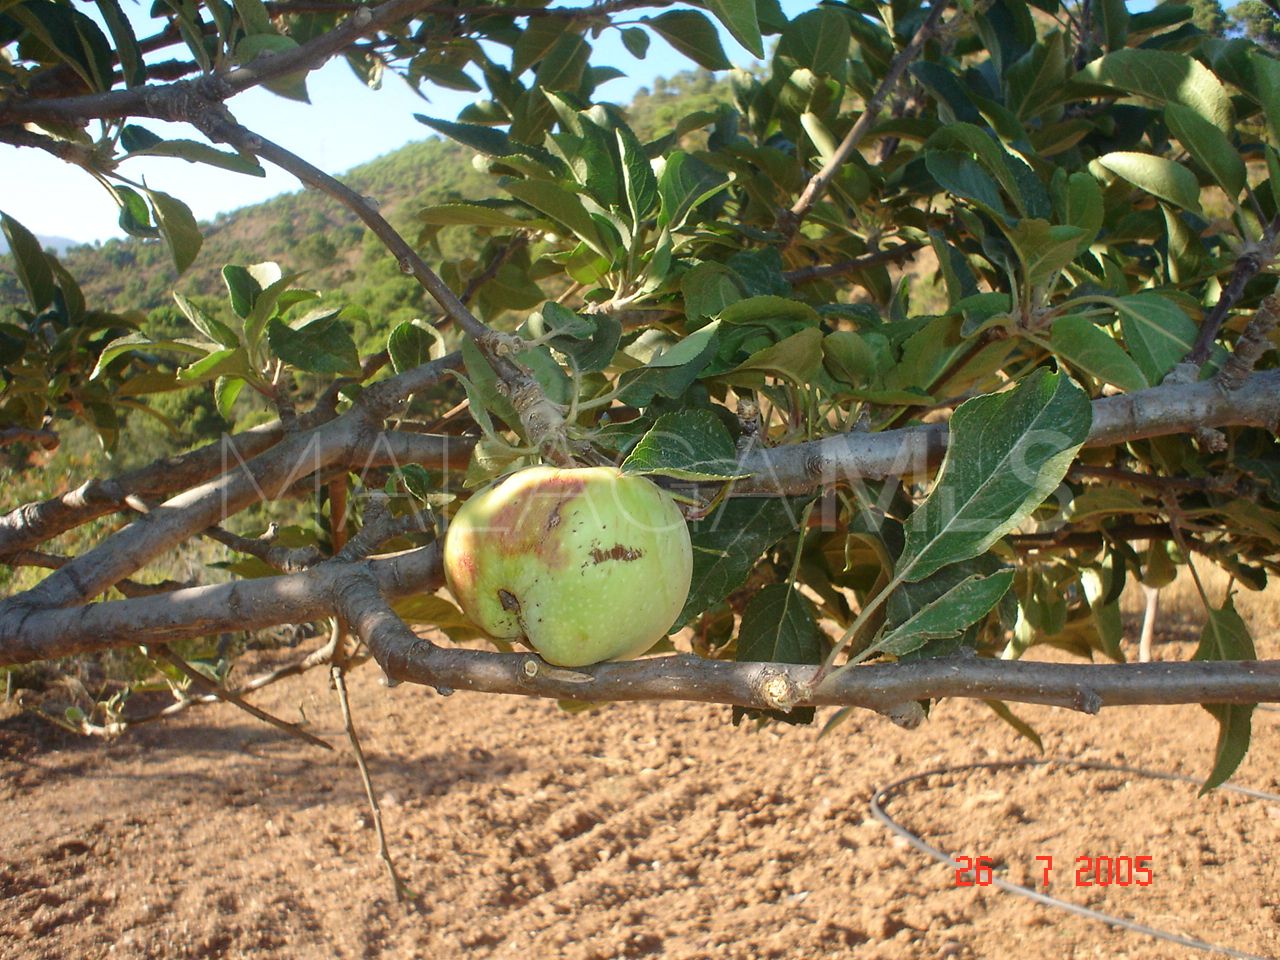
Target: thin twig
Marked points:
337	673
789	220
45	439
201	682
893	255
1252	344
1251	261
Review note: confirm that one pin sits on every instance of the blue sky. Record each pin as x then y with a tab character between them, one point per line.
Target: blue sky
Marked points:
346	124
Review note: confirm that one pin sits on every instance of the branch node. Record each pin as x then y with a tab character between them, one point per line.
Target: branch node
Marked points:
1087	700
779	691
1214	441
529	668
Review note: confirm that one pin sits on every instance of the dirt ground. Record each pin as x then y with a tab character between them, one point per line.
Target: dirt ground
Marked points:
634	831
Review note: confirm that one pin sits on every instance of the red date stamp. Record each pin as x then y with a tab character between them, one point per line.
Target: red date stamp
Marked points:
1121	871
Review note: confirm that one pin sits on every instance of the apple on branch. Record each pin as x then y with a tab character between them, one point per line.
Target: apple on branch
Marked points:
585	564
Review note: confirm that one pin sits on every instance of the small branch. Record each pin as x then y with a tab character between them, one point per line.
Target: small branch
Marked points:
894	255
284	559
182	100
1252	261
33	523
1153	481
380	525
1069	539
203	683
789	221
1156	411
519	241
337	674
1253	343
543	421
45	439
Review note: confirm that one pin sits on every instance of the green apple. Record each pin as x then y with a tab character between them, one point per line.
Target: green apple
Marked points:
585	564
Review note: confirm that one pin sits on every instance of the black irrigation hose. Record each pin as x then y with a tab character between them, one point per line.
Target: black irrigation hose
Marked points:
881	797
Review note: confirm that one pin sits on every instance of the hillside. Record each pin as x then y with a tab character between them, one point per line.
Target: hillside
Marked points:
305	231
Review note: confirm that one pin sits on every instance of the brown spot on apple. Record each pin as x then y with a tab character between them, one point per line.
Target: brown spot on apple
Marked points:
616	552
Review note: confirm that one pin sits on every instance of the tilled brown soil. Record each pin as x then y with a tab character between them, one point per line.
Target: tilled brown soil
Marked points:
632	831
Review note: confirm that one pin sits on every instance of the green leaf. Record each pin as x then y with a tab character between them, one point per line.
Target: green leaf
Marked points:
267	303
1266	87
960	174
429	609
708	288
1085	346
817	40
728	542
470	215
797	358
1209	145
135	215
637	174
1157	333
1164	77
215	330
1044	249
243	288
292	86
739	18
563	206
1158	176
693	35
178	227
131	65
225	392
688	445
1006	453
1115	23
964	604
195	152
686	182
322	346
1226	637
409	346
30	262
226	362
135	341
535	42
254	16
485	140
778	627
636	41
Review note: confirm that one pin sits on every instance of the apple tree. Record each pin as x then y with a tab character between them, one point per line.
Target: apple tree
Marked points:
944	323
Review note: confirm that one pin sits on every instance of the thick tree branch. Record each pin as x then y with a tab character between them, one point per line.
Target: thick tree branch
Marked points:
356	591
33	523
1157	411
185	99
789	221
351	439
883	688
29	633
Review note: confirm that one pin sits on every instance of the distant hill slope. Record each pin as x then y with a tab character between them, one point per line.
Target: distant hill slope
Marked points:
306	231
56	244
